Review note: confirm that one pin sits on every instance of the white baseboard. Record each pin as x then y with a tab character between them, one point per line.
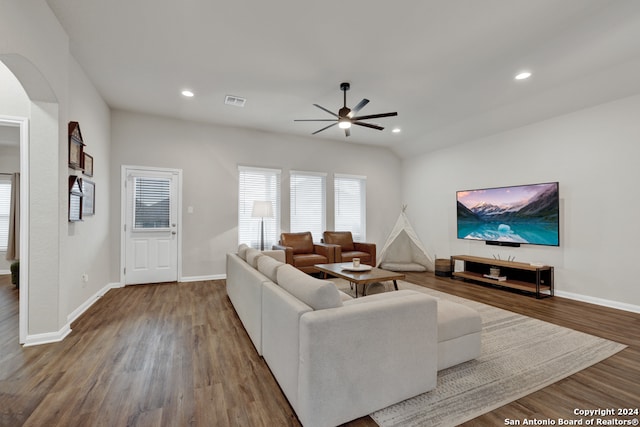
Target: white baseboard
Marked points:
47	337
89	302
202	278
599	301
5	271
50	337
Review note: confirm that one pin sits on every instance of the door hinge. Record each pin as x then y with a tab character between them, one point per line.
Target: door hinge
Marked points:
124	271
125	227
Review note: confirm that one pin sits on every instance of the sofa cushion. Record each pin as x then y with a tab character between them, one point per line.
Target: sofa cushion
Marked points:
456	320
342	238
252	257
269	267
317	294
309	260
242	251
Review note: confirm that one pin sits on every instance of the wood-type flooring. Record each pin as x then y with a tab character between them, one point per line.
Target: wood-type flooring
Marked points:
177	355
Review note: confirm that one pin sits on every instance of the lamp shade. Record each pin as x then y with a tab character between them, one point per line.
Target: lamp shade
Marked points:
262	209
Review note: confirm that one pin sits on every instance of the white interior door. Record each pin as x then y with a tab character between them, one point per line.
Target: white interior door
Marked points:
151	225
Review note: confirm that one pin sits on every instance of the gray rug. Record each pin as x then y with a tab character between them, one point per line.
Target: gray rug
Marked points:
520	355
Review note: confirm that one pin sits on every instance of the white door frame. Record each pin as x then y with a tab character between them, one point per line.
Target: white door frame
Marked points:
124	169
23	316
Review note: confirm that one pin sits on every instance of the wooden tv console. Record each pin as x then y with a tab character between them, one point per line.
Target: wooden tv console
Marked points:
519	275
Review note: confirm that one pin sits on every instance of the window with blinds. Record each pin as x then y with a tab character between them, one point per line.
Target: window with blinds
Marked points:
308	203
258	184
5	204
350	205
152	207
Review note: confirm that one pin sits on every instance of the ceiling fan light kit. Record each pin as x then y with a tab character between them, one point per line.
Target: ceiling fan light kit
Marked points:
345	117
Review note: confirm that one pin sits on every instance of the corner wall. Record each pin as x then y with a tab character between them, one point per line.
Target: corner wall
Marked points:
593	153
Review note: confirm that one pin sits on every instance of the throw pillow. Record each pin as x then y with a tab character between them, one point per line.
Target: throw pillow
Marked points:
317	294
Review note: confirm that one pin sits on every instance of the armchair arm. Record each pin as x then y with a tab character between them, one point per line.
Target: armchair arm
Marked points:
369	248
288	252
327	250
372	354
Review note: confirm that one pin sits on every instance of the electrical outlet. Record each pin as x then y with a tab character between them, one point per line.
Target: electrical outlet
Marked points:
85	277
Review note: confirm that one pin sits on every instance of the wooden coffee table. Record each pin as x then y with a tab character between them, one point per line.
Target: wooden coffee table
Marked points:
360	277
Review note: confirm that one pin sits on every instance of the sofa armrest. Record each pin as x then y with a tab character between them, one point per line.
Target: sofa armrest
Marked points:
369	248
288	253
363	357
327	250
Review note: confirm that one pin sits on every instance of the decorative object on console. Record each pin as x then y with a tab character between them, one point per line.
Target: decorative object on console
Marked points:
262	209
510	216
76	146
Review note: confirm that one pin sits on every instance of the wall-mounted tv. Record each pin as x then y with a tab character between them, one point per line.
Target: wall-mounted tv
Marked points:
510	216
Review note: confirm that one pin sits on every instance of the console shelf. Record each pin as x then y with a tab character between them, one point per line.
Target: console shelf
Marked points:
520	276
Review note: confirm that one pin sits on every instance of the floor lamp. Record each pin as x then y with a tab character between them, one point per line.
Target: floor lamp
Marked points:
262	210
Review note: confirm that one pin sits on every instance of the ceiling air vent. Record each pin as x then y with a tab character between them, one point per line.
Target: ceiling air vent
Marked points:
236	101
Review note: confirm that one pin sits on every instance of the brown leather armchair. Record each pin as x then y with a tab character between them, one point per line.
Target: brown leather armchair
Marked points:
347	249
302	253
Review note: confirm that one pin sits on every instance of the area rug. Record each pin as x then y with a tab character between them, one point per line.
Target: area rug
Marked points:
519	355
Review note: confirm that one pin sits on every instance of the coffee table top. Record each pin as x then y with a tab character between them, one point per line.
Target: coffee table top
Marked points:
358	277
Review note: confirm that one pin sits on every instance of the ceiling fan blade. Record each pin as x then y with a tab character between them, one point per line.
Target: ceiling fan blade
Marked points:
324	109
324	128
314	120
375	116
347	132
358	107
368	125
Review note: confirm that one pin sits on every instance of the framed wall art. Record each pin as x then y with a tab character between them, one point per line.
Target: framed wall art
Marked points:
87	165
89	197
75	198
76	146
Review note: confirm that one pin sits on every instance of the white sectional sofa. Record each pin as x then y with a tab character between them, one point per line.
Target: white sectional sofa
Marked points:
337	358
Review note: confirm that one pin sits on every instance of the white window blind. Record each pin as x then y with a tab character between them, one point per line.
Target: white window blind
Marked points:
350	205
258	184
308	203
152	207
5	203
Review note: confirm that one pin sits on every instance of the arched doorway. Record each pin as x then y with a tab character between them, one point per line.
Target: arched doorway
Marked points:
41	120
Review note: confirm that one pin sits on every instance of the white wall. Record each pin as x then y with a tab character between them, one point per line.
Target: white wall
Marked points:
209	157
593	154
85	246
36	50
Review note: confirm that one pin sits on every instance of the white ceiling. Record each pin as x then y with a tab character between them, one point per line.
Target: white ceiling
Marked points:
446	66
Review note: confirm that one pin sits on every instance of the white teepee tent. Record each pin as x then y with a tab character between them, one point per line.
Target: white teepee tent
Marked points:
403	250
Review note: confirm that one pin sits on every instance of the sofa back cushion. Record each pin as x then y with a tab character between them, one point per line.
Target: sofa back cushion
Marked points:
302	243
242	251
317	294
252	257
342	238
269	267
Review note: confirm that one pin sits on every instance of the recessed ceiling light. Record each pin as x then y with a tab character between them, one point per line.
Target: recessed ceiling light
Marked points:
523	75
187	93
396	130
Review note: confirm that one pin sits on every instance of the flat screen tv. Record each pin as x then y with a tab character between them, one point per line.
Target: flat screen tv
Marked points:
510	216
